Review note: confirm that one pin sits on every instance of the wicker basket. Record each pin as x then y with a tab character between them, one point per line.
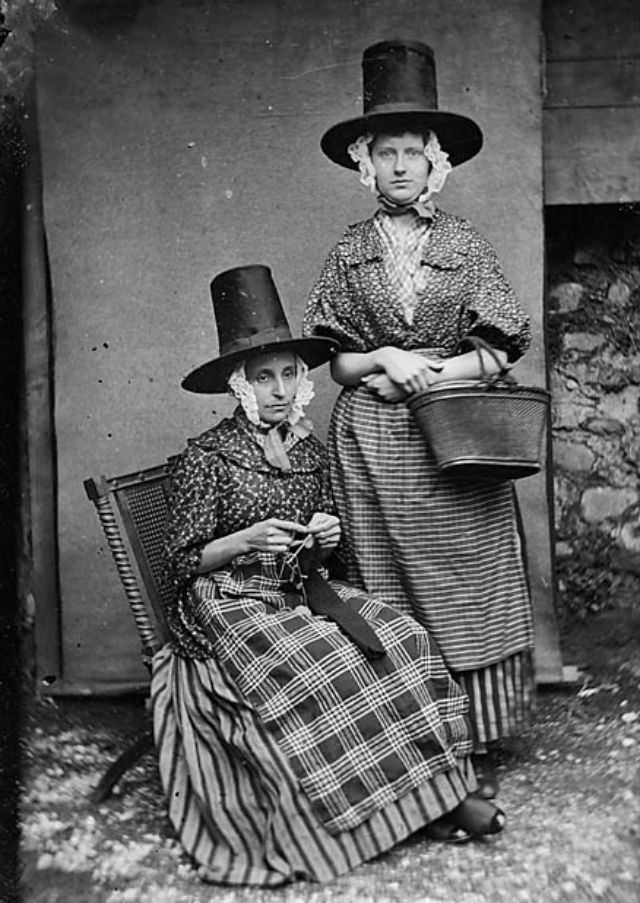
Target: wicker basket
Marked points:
489	429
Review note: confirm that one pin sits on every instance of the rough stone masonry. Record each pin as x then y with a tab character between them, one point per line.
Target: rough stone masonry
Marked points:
593	327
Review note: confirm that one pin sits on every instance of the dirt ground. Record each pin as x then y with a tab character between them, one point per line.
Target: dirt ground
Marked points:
571	792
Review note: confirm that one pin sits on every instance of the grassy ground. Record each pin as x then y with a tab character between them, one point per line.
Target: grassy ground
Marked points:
571	793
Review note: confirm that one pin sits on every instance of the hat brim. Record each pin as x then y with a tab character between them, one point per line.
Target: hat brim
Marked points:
459	136
211	378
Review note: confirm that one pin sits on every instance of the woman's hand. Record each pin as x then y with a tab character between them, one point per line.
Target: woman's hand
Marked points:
272	535
325	529
381	385
408	370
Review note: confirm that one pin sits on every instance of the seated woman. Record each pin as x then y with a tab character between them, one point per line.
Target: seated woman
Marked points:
302	727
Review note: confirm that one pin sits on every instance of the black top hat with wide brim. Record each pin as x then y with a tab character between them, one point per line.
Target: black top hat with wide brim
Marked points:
400	94
250	321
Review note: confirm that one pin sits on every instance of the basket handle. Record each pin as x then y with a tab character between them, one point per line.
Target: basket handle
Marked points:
479	345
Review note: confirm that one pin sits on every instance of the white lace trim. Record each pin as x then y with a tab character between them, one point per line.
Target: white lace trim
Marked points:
304	393
440	166
243	391
360	153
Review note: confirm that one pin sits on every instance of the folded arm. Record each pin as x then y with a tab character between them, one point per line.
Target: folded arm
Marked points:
391	371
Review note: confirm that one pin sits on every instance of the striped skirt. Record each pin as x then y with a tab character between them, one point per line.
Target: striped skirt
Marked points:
501	698
234	801
446	552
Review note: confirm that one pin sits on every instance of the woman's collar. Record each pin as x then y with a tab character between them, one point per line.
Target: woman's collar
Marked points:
423	209
301	428
308	462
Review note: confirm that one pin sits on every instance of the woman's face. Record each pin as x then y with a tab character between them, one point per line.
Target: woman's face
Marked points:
400	165
275	380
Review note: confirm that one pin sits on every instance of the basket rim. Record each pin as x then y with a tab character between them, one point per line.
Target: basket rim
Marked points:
495	461
475	389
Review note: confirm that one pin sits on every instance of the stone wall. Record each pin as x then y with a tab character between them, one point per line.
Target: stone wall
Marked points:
593	310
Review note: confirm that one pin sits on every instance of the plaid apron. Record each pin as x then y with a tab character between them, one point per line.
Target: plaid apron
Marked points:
358	734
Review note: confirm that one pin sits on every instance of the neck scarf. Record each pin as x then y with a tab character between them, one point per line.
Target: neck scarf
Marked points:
423	208
277	440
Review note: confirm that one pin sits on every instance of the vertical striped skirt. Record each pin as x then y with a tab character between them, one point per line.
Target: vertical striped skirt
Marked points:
234	800
501	698
446	552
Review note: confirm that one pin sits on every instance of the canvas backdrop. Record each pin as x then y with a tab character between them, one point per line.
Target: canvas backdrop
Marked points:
186	141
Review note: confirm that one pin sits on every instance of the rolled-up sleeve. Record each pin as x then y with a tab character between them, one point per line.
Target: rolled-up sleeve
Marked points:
492	310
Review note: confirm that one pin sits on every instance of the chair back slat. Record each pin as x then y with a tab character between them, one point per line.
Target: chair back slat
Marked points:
143	509
142	502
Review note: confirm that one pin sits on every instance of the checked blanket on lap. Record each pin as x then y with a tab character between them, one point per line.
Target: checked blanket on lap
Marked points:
358	734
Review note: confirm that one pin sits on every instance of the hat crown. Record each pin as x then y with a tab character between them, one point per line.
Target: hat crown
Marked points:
398	75
247	309
400	95
250	319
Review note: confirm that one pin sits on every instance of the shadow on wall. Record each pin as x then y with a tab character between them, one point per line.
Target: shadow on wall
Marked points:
98	15
593	314
11	164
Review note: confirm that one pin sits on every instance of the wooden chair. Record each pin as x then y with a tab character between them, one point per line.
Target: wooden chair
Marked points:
134	507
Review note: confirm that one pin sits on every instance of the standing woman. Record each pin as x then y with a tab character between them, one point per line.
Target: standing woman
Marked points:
400	292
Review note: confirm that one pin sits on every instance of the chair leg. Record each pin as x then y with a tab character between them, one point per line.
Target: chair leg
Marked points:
125	761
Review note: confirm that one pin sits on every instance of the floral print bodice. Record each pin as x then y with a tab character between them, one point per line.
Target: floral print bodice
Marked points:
221	484
463	291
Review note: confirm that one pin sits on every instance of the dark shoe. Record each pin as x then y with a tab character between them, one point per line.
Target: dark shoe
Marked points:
478	817
445	831
485	769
